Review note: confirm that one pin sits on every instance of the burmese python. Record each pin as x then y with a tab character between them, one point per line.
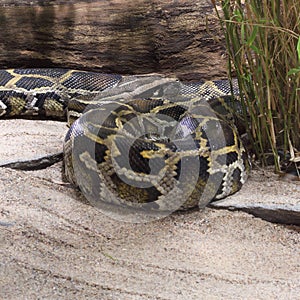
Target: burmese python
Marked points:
144	141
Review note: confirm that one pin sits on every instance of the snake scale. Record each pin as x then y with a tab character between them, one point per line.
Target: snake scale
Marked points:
147	142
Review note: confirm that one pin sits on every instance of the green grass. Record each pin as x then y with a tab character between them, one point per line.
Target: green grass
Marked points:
263	43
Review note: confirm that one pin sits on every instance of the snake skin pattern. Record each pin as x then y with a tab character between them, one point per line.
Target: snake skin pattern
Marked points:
147	142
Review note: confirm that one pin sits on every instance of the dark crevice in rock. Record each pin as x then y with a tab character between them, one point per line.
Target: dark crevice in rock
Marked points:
276	214
35	164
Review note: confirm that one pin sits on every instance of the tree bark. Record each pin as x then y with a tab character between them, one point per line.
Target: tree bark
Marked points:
176	38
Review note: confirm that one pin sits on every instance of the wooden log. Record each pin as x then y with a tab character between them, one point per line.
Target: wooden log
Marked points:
176	38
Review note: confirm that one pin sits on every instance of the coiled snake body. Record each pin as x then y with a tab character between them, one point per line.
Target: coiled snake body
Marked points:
145	141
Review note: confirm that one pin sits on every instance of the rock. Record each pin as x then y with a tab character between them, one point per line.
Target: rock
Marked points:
176	38
266	197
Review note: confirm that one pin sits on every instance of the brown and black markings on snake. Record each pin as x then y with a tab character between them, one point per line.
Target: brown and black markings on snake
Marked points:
137	139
